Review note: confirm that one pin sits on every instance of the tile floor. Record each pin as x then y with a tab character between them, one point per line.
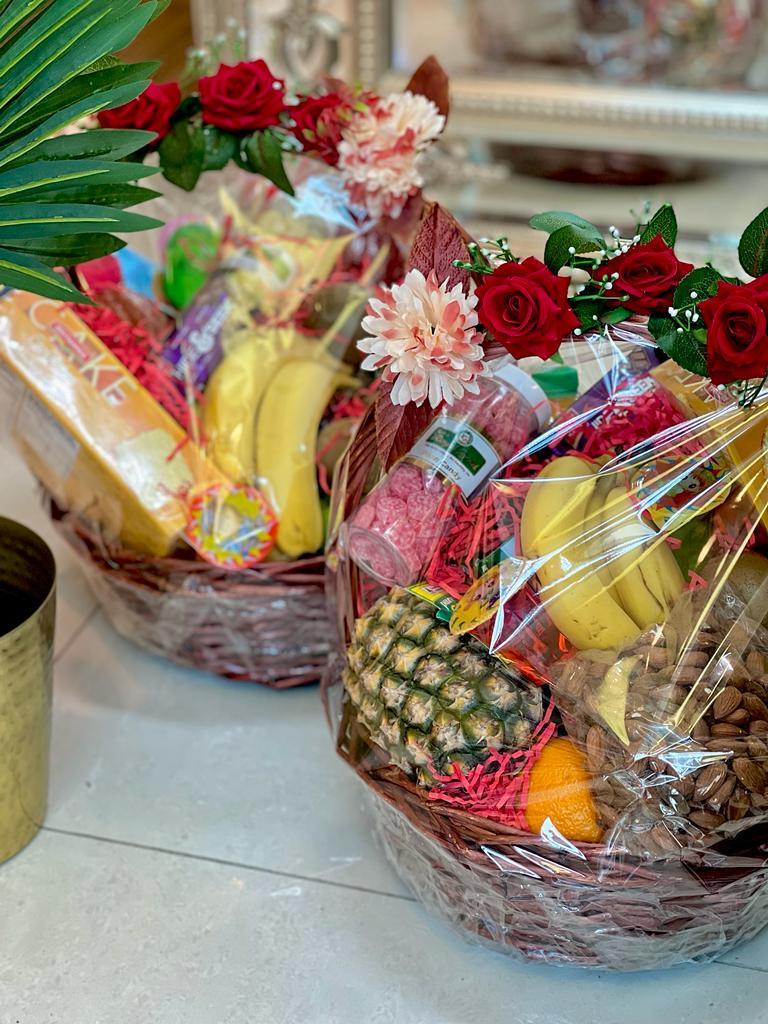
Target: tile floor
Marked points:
206	860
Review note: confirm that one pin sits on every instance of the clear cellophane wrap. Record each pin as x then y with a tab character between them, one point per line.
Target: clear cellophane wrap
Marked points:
562	718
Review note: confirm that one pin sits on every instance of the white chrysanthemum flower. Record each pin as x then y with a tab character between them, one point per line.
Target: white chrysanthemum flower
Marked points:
423	337
380	149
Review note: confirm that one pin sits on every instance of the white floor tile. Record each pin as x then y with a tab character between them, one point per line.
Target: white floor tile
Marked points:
94	933
147	752
20	500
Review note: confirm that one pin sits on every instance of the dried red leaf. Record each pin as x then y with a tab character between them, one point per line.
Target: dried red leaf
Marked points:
398	426
440	240
430	80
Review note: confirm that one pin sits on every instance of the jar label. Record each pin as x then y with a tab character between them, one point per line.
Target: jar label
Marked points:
458	452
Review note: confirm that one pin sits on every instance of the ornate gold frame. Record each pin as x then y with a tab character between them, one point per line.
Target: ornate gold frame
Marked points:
727	127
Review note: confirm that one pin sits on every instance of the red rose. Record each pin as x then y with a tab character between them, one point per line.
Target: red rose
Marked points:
152	111
243	98
318	123
648	274
737	331
525	308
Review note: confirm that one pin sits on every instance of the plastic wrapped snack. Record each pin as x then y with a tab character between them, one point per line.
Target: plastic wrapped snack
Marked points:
563	719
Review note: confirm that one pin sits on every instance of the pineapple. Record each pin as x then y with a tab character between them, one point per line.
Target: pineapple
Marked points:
429	697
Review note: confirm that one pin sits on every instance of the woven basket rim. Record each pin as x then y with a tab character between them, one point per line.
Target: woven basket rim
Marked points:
146	572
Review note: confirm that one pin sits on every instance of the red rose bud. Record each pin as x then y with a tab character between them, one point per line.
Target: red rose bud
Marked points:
152	111
648	274
318	124
243	98
737	331
525	308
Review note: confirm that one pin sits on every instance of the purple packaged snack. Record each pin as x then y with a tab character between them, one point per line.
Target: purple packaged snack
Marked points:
195	350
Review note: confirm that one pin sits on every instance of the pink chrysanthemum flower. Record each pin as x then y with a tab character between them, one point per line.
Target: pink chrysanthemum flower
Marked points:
423	337
380	149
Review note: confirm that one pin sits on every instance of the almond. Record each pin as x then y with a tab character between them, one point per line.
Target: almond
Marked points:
725	729
739	717
706	820
722	795
757	727
750	774
595	748
757	749
700	730
653	656
755	663
708	781
726	702
756	707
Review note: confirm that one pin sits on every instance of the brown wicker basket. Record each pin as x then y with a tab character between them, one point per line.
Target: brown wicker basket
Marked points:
579	905
267	625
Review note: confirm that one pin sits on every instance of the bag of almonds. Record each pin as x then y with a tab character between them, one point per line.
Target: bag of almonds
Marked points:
674	727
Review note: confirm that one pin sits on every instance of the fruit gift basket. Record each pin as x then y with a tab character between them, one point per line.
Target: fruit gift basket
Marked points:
185	415
552	601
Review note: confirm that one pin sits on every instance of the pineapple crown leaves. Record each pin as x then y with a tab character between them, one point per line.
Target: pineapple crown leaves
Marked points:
63	199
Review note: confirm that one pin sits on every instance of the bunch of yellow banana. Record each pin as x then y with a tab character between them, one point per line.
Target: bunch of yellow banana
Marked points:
604	575
262	413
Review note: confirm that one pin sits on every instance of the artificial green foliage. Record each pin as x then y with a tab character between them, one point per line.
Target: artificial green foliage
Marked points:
64	199
262	153
753	247
664	223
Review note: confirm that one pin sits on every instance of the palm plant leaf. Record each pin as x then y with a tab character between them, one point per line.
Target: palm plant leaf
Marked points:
62	199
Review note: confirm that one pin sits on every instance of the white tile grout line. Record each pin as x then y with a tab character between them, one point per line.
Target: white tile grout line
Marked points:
76	632
223	862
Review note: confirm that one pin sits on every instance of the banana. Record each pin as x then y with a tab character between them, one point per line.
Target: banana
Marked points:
287	426
552	533
644	571
229	411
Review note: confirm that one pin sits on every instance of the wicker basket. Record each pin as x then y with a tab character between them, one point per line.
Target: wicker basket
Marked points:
267	625
580	906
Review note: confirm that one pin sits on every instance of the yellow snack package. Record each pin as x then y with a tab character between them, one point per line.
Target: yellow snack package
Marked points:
92	435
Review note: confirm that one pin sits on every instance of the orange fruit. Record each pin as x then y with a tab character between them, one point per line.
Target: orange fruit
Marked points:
559	790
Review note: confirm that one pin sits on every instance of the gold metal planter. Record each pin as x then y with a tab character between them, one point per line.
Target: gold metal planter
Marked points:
27	613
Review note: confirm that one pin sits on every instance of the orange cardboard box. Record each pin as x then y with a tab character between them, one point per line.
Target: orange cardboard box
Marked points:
90	432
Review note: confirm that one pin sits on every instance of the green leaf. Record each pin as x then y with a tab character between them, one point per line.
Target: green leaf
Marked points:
27	182
664	223
90	83
67	250
220	148
616	316
19	270
60	44
569	236
97	142
262	153
117	196
753	246
45	220
703	280
552	220
63	118
182	154
588	314
682	348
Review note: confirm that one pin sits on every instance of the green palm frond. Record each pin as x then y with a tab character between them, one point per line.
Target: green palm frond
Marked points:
63	199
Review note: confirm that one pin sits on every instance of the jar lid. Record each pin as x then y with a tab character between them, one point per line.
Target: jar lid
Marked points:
522	382
557	381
